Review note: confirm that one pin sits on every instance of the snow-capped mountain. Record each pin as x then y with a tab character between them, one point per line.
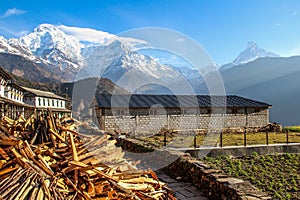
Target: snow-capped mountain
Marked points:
6	46
77	53
71	53
139	64
98	57
251	53
66	50
53	45
49	48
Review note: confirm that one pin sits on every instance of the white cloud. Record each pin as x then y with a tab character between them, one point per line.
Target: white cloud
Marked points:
13	11
86	34
101	37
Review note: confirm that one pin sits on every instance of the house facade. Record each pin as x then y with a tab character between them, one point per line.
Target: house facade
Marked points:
151	113
16	100
42	100
11	96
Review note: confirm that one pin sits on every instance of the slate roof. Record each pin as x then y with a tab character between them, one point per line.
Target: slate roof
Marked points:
41	93
175	101
12	102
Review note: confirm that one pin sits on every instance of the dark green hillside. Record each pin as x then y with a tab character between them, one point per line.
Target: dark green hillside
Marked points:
27	69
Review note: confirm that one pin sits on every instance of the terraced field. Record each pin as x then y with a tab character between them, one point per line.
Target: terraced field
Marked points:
278	175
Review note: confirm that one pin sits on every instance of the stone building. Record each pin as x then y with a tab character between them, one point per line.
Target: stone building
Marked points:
151	113
42	100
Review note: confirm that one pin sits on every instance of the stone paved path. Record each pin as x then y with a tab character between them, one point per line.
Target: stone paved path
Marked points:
182	190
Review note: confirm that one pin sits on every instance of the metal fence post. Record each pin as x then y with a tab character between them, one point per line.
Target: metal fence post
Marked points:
165	138
287	136
267	136
245	137
221	139
195	141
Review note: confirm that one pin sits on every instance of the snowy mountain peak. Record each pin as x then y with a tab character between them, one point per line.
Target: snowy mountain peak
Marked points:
53	45
5	46
251	53
45	27
251	45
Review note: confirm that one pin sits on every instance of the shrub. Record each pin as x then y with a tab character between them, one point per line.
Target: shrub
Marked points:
292	128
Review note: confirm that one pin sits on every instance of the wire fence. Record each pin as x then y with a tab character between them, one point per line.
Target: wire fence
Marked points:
222	139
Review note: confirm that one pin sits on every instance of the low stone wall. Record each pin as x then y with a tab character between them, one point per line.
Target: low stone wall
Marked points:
213	183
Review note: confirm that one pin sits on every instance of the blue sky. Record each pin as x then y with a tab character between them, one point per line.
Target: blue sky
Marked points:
222	27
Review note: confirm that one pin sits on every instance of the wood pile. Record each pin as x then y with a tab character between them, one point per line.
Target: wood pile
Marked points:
45	158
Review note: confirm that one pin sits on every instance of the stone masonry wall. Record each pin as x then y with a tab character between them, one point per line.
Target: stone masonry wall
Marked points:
154	123
213	183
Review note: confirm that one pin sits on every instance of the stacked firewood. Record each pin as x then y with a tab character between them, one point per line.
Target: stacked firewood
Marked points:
45	158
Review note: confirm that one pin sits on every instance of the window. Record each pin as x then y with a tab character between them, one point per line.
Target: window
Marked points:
57	103
39	101
61	104
256	110
208	111
48	102
44	102
234	111
53	102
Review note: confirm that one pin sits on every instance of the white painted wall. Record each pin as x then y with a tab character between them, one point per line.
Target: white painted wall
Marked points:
13	94
46	102
2	86
2	90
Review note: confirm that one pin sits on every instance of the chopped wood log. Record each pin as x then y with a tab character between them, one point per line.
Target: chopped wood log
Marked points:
8	170
4	154
73	147
44	158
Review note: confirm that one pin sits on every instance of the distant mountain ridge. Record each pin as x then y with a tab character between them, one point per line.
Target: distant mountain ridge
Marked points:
66	55
103	85
28	69
274	80
68	58
251	53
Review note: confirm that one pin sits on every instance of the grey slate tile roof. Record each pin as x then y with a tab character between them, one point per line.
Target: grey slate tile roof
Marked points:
175	101
42	93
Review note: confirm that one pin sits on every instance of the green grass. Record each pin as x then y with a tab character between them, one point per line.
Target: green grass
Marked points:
278	175
292	128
